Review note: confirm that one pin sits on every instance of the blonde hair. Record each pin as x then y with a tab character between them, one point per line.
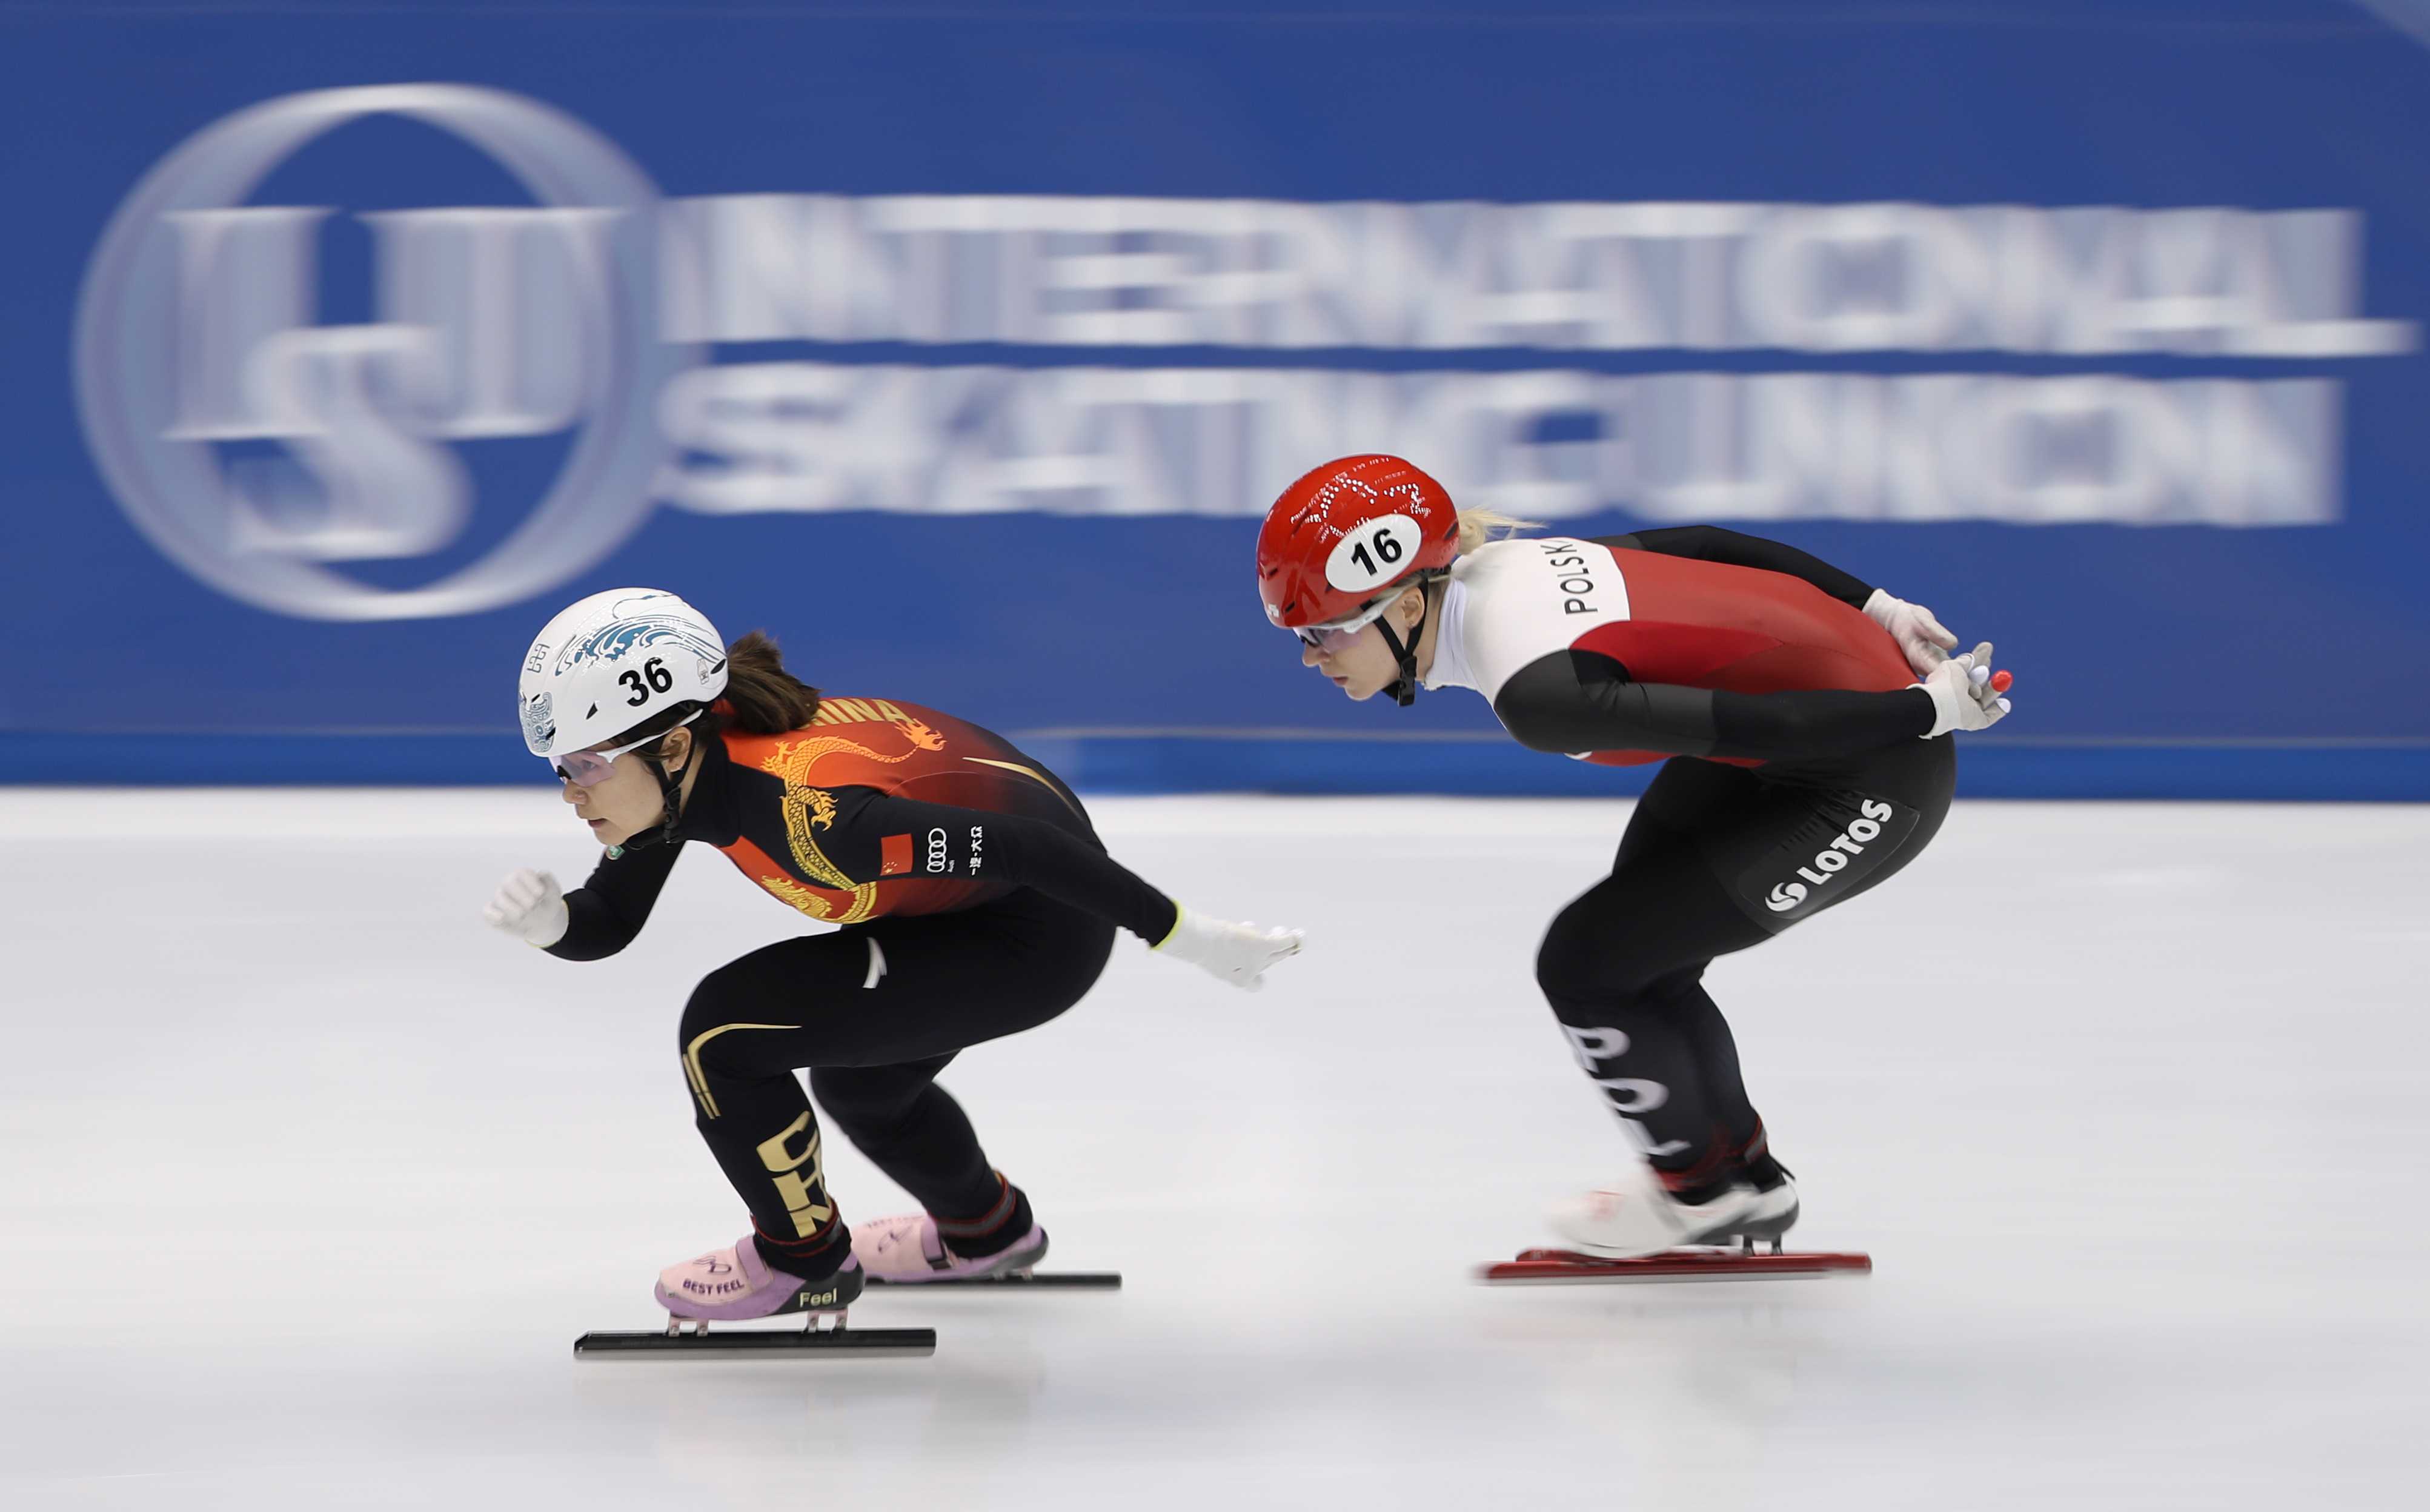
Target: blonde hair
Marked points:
1477	527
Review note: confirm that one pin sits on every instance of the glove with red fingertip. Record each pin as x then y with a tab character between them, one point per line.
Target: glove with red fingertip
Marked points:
1967	694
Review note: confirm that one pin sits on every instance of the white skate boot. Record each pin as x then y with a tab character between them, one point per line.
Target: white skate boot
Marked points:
1637	1230
1637	1215
1775	1210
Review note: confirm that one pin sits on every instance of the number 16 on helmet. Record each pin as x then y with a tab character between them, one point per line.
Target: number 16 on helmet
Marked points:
1341	543
1347	534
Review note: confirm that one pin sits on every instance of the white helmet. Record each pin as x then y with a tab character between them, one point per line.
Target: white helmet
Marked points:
614	660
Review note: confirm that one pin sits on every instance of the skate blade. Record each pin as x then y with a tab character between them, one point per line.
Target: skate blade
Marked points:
824	1334
1052	1280
1557	1267
858	1344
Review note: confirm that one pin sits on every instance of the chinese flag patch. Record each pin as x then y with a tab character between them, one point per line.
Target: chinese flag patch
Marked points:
894	855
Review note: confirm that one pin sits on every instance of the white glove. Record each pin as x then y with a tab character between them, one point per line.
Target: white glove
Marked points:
531	906
1962	697
1238	954
1925	640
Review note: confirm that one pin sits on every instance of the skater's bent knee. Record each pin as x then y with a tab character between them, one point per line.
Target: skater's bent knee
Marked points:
1612	975
703	1011
724	1031
866	1098
1598	975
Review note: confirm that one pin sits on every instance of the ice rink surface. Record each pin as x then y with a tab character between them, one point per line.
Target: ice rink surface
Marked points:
310	1180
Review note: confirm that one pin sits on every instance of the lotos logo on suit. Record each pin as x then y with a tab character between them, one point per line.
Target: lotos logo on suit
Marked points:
1872	816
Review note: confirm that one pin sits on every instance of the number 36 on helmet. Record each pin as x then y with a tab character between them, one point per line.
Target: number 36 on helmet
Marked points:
611	662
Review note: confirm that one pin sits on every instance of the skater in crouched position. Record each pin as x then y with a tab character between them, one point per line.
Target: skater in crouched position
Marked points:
974	902
1800	714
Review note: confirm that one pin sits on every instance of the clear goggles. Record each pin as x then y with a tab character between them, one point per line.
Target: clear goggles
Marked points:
1335	636
589	769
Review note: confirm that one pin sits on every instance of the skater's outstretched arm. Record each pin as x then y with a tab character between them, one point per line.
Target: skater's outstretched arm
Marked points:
977	845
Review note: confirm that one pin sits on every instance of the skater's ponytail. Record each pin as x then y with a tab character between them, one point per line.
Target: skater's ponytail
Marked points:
1477	527
766	699
761	698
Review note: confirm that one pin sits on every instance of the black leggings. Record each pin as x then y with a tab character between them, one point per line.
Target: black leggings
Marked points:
1716	859
876	1010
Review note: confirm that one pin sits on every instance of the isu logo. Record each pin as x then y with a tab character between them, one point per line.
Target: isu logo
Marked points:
1833	858
265	451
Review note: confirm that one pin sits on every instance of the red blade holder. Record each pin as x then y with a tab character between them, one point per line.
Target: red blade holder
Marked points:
1545	1267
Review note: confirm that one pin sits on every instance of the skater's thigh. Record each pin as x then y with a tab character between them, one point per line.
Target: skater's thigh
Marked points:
1020	951
1790	852
1719	858
1686	795
785	1005
1660	914
942	982
895	989
1661	911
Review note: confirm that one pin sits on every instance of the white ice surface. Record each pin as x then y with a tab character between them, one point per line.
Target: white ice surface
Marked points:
309	1181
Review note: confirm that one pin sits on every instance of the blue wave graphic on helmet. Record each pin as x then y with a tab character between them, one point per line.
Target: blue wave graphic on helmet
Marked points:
630	633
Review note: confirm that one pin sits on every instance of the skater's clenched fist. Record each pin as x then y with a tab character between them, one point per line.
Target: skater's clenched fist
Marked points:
529	906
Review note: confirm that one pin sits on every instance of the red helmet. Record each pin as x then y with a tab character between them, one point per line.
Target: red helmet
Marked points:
1347	533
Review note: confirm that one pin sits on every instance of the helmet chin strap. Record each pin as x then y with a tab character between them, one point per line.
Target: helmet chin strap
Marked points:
1404	688
671	796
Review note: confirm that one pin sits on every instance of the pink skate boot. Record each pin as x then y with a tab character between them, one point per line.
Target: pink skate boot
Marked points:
734	1283
908	1248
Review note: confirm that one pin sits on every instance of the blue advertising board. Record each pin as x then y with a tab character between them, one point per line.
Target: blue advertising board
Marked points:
963	349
